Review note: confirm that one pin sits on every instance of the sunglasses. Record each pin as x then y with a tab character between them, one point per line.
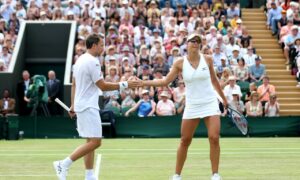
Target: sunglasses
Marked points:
127	71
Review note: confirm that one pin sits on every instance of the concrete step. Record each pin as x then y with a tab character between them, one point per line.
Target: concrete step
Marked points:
266	45
289	112
269	51
289	100
266	55
259	31
262	35
288	95
275	66
254	18
253	14
271	72
254	22
287	88
265	41
281	77
284	83
280	61
252	10
290	106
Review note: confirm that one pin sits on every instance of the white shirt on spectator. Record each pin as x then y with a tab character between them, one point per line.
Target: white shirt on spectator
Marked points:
228	91
229	48
211	40
152	39
137	40
165	108
272	110
217	59
6	10
100	10
189	27
87	27
75	10
86	71
249	59
122	11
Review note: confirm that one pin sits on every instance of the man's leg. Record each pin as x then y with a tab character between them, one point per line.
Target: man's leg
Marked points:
213	127
89	165
188	128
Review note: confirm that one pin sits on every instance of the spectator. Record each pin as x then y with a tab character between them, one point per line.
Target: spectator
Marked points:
272	107
232	11
7	104
234	58
265	90
274	15
252	87
249	57
145	106
54	90
218	56
225	77
289	41
241	71
22	88
231	46
5	55
236	102
257	71
174	55
238	30
112	75
254	107
298	73
125	65
165	106
179	93
6	10
245	40
232	86
127	96
160	64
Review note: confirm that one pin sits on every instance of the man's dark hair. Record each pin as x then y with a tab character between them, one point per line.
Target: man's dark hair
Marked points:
91	40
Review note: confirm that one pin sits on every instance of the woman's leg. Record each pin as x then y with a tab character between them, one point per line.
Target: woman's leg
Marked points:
188	128
213	127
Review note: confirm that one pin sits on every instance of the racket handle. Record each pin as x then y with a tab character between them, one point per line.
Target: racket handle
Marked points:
63	105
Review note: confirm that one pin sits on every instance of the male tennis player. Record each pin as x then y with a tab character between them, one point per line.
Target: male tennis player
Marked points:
87	78
201	102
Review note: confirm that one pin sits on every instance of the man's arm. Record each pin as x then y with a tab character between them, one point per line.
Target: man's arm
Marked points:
132	82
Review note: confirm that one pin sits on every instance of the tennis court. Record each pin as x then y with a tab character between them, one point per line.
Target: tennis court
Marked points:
154	159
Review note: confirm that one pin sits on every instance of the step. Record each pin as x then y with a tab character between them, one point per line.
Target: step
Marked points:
273	61
266	55
289	112
271	72
252	10
252	14
264	41
255	18
287	88
288	94
261	35
259	31
281	77
254	22
270	51
275	66
289	100
290	105
266	46
284	83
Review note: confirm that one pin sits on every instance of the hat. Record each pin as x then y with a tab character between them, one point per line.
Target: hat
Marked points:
235	92
153	2
145	67
235	49
175	49
70	13
145	91
183	29
111	27
71	1
112	58
111	47
86	2
164	94
294	27
45	2
212	28
193	35
258	58
125	59
125	48
239	21
42	13
125	2
231	78
173	39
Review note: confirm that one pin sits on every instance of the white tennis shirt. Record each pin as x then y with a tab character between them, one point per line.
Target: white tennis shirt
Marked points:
86	72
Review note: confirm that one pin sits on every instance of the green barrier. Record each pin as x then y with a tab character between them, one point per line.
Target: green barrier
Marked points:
168	126
13	129
2	121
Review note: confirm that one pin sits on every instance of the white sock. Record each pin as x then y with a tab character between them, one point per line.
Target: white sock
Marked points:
67	162
89	172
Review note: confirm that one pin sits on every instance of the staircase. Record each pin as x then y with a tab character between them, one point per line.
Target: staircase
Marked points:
272	56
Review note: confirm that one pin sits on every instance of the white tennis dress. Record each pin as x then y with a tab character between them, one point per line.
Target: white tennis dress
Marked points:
201	100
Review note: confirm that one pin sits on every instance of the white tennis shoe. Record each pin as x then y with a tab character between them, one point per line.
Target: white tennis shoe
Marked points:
216	176
176	177
91	178
61	171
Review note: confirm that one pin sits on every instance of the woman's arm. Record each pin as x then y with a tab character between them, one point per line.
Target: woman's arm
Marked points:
153	104
177	66
133	108
215	81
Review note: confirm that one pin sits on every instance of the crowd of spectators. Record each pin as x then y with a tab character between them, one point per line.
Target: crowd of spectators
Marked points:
144	38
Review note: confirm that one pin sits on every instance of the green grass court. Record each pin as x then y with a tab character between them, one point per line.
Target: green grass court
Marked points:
154	159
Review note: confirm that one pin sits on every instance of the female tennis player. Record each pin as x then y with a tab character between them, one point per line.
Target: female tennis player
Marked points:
201	102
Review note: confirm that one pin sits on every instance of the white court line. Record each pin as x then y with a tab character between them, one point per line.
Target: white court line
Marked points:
137	149
34	175
159	153
98	164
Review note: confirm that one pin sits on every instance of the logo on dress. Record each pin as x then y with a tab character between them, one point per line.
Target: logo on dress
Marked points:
204	68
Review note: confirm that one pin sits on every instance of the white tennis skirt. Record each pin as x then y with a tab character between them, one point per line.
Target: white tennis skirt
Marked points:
193	111
89	123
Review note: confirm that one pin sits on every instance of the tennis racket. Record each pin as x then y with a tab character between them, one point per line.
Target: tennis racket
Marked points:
237	118
63	105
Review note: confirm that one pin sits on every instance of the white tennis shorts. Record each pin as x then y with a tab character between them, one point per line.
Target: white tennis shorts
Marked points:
89	123
206	109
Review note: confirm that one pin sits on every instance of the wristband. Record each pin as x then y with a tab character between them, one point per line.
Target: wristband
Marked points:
123	85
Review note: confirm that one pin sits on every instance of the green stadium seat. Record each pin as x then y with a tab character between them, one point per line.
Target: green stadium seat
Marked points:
244	85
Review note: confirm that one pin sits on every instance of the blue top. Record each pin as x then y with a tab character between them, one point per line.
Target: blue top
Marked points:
257	72
145	108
